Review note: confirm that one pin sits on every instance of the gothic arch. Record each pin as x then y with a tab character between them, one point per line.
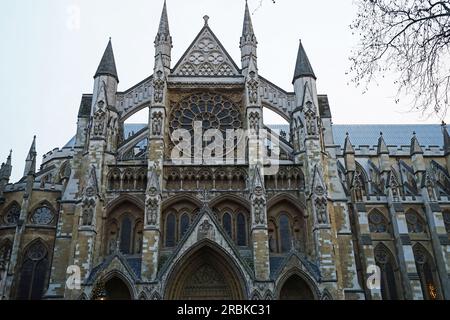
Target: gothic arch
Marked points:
311	291
103	280
286	197
427	271
390	279
230	197
16	214
181	198
34	270
124	198
43	204
287	224
209	262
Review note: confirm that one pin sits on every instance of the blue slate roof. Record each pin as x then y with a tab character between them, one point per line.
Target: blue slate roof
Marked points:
394	135
360	135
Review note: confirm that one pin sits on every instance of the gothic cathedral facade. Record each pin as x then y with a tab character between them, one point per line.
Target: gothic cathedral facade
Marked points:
349	214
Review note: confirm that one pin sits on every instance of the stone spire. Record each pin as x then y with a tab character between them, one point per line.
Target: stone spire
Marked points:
349	155
30	162
247	30
382	147
248	43
303	67
163	40
107	65
446	139
415	145
6	168
348	147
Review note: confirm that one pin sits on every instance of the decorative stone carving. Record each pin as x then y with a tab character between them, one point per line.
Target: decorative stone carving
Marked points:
311	120
157	119
321	211
259	205
206	58
89	200
99	122
88	212
252	86
152	211
254	120
205	231
358	187
158	88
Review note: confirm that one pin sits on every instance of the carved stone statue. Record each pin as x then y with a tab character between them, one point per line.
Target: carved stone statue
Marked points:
252	89
321	211
158	88
152	211
157	119
259	206
254	120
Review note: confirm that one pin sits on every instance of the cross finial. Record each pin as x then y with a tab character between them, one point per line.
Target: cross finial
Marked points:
206	18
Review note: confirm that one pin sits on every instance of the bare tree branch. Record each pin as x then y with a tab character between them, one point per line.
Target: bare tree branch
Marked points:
410	38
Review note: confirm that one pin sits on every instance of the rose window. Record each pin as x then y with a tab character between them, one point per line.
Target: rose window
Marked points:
213	111
42	216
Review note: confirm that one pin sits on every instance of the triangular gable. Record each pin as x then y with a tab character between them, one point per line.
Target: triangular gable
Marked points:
206	57
206	228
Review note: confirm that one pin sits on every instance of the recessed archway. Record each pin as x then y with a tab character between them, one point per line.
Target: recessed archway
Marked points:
296	287
206	273
116	289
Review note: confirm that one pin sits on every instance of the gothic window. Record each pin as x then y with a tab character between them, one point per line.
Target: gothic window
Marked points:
170	230
241	230
125	235
33	272
427	273
385	262
377	222
285	233
138	238
226	222
212	111
446	216
273	245
128	180
415	223
184	224
114	180
12	215
42	216
5	250
112	239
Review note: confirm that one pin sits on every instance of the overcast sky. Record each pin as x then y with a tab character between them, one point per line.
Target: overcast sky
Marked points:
48	57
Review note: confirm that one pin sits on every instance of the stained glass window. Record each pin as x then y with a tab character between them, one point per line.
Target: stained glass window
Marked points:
226	222
213	111
170	230
384	261
125	236
184	225
13	214
42	216
33	273
377	222
241	230
446	216
285	233
415	223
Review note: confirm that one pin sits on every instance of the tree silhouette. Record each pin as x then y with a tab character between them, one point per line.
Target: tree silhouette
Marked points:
411	39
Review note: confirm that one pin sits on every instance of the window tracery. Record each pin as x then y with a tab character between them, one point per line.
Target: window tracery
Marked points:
42	216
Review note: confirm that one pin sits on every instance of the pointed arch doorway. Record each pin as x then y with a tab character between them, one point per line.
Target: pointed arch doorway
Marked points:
205	273
296	288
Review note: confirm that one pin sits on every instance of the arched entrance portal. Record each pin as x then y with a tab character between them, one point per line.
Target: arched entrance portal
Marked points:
116	289
296	288
205	274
